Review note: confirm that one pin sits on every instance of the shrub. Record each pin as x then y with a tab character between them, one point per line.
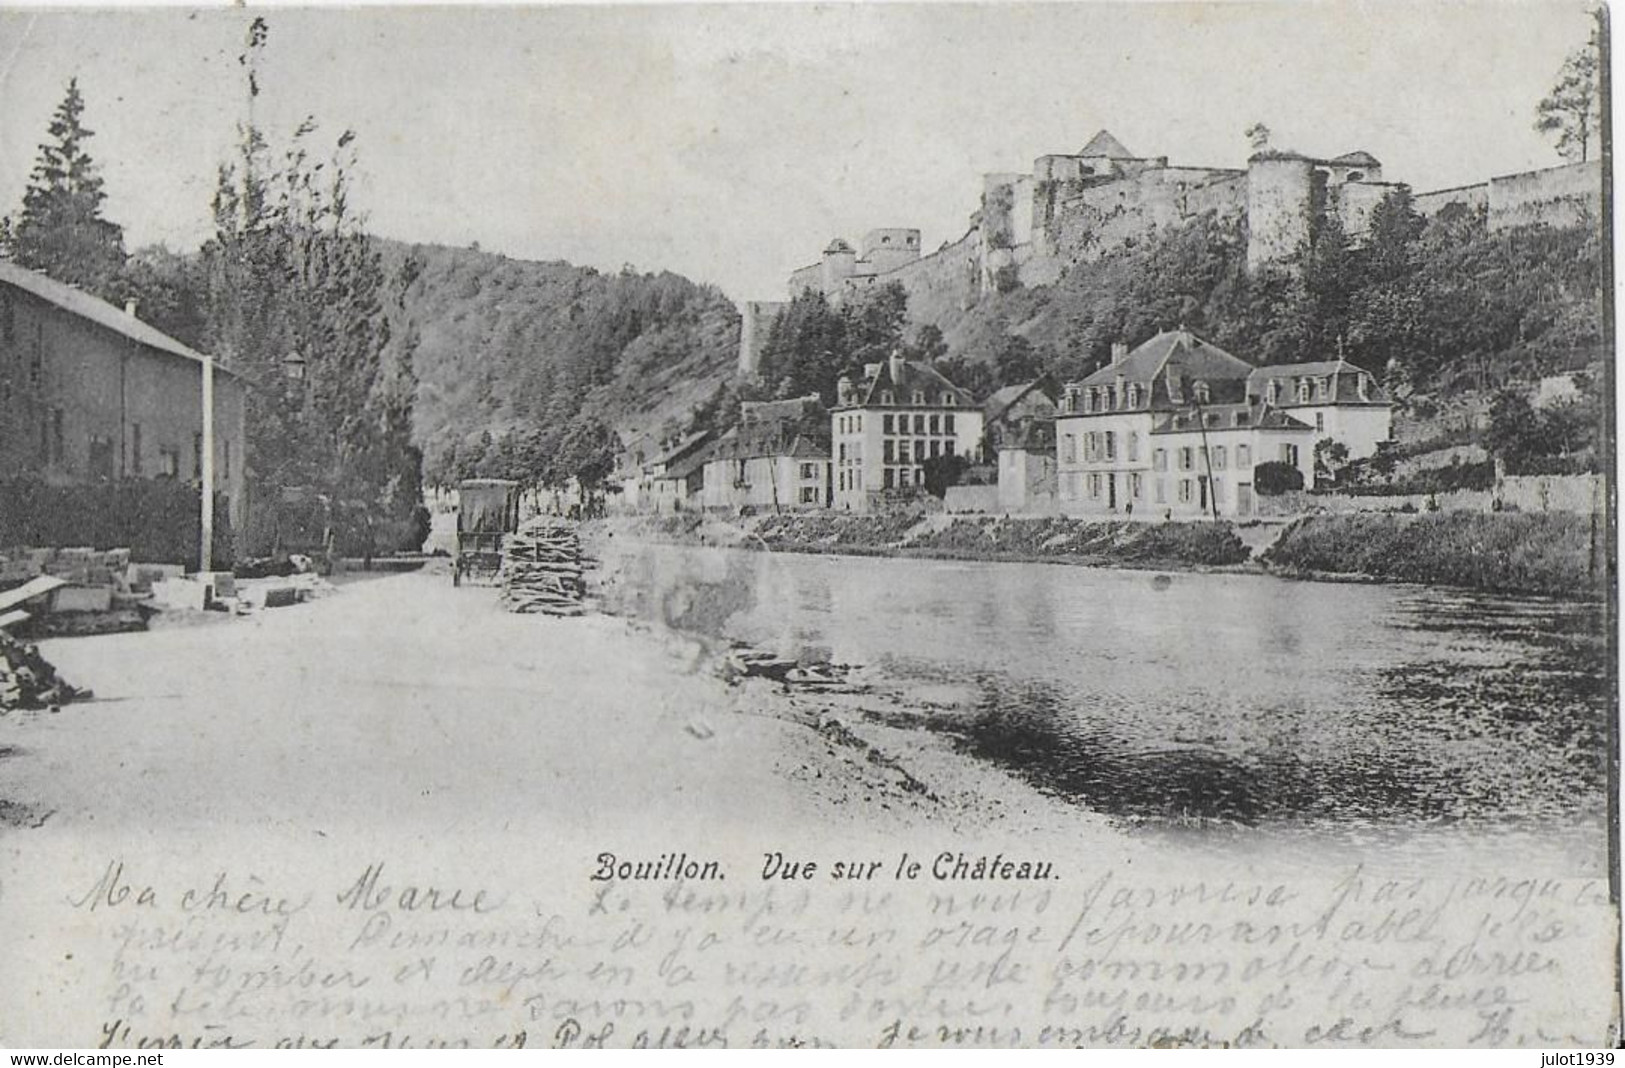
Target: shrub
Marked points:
156	519
1275	478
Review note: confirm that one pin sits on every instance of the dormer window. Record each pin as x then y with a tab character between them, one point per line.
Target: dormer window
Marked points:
1274	392
1134	396
886	397
1303	391
1325	387
949	400
1243	418
919	396
1200	390
1210	418
1363	385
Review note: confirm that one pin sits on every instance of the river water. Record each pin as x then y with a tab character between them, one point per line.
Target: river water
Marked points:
1173	699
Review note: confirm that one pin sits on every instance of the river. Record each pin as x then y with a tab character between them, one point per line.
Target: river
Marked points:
1187	698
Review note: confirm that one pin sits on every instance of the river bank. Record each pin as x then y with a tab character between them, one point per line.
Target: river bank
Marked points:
1556	554
1551	554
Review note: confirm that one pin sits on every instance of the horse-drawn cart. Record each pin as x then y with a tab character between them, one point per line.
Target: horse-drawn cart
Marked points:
487	512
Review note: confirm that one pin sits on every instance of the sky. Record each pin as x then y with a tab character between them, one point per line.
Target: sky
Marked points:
729	143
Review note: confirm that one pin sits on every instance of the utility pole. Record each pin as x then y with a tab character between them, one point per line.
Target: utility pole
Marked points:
206	471
1207	454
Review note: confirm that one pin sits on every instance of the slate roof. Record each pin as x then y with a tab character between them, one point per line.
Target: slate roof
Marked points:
1360	158
1002	400
1104	144
1193	357
915	375
807	438
1345	378
1259	416
682	448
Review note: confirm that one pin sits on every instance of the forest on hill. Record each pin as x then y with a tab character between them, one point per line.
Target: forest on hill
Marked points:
530	370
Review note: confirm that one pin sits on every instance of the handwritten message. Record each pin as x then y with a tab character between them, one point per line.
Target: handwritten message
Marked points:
912	948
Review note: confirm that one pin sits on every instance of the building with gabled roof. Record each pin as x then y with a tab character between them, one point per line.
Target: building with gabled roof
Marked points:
674	476
776	458
1020	432
90	393
887	424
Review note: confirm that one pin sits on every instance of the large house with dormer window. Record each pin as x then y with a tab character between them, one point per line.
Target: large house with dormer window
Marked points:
886	426
1175	427
1341	401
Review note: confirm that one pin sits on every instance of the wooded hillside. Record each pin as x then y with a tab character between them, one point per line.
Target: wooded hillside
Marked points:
528	351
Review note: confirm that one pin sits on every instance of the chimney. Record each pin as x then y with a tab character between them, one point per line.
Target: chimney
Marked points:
129	307
1119	353
897	368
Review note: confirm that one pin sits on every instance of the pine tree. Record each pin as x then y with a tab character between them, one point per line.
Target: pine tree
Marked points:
60	230
1572	110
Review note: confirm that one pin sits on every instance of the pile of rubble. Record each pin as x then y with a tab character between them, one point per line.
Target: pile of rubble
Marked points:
542	569
744	661
28	680
60	591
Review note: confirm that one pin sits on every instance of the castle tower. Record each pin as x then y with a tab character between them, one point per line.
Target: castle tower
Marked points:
889	248
755	319
839	264
1280	205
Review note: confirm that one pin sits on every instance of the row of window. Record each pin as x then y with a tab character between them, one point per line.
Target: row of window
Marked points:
1191	458
1315	389
898	450
1092	399
1099	445
902	477
890	478
52	451
1242	417
946	399
1097	487
1103	446
923	424
899	423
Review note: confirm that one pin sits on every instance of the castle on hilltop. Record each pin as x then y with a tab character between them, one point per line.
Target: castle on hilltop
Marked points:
1075	208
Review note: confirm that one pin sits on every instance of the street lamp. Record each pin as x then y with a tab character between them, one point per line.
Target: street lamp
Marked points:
293	365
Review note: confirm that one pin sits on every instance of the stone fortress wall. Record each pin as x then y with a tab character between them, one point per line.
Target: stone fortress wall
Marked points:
1076	208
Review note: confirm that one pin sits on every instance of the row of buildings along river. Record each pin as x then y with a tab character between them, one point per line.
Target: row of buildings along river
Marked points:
1176	427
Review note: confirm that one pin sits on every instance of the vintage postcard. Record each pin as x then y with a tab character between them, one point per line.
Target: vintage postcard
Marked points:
762	525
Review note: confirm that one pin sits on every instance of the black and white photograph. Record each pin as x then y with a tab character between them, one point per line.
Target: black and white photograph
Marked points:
786	525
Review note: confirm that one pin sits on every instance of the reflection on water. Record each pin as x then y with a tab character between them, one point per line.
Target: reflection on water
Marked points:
1214	697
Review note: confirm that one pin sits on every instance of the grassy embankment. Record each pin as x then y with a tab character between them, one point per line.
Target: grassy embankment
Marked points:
1052	539
1556	553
